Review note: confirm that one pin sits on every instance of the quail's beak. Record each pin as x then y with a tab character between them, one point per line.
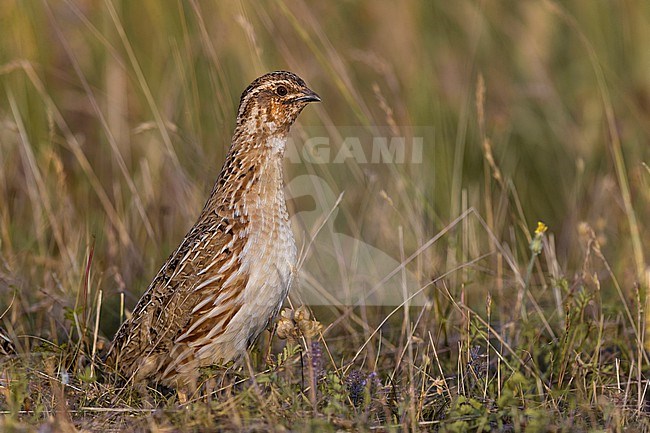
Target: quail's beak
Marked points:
308	96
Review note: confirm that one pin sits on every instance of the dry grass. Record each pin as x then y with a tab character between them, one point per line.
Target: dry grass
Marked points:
115	117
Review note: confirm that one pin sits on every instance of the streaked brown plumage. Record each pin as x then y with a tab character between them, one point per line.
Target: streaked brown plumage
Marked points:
231	273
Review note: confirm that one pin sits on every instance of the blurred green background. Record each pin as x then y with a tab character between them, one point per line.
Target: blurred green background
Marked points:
116	115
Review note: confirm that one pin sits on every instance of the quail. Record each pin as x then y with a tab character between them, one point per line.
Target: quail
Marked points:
229	276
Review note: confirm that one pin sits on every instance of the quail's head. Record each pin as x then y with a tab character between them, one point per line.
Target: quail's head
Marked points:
273	101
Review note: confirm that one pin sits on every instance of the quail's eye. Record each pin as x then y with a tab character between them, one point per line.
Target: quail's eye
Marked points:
281	91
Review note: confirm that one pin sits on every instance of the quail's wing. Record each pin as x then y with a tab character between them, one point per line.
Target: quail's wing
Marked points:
216	290
202	270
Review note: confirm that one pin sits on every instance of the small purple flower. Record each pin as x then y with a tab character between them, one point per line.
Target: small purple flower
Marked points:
316	354
357	382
